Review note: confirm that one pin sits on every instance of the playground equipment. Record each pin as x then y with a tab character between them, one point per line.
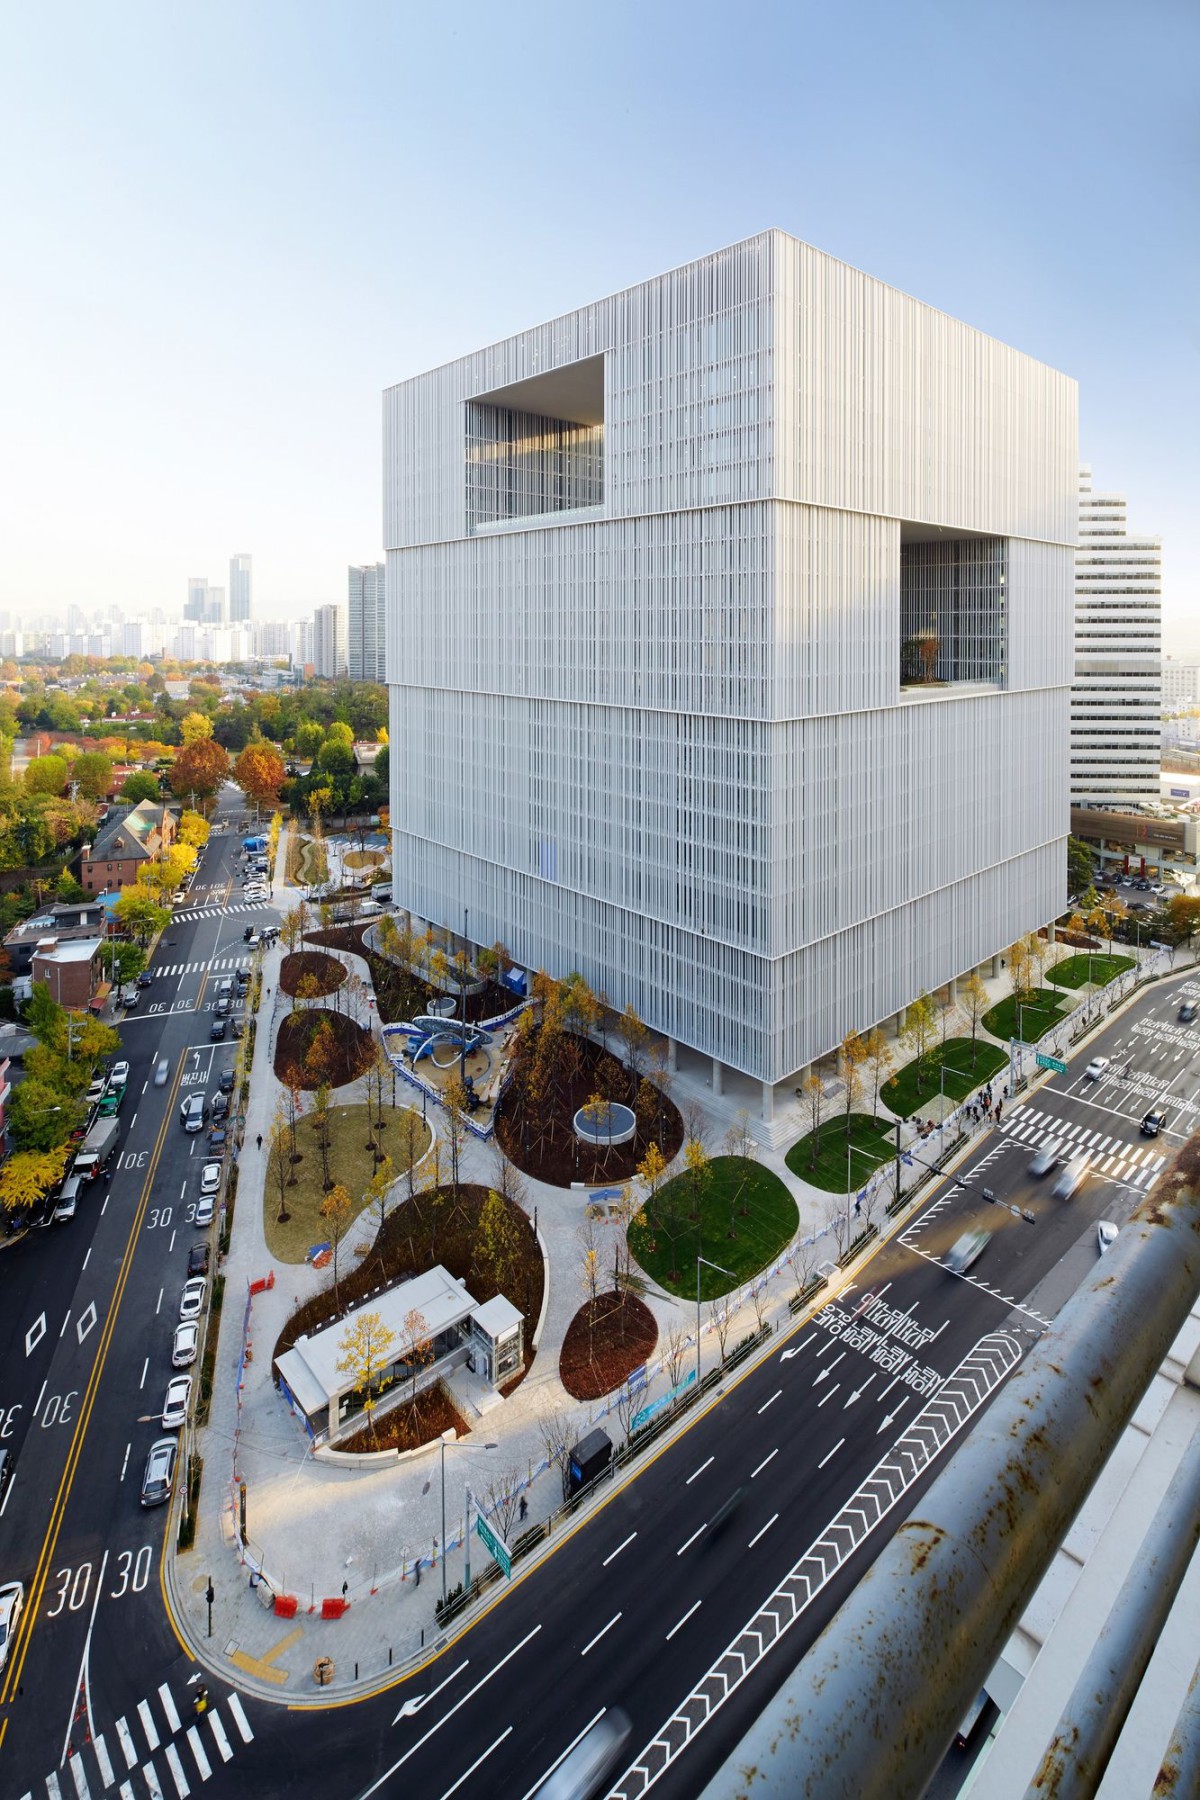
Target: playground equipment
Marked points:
421	1036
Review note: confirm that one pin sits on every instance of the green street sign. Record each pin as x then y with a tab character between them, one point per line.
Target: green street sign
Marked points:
1051	1062
497	1546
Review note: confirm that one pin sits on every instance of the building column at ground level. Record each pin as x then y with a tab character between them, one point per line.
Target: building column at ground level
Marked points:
718	1077
768	1100
801	1078
672	1056
953	989
899	1021
1050	930
996	967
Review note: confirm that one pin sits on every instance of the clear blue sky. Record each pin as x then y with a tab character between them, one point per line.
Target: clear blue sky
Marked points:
225	229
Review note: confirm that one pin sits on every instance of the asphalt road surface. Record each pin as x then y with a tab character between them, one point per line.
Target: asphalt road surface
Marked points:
750	1529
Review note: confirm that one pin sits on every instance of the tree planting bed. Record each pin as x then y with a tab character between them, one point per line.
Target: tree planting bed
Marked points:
326	971
606	1340
400	994
746	1217
1040	1013
534	1120
350	1051
967	1067
410	1424
872	1143
351	1163
1098	969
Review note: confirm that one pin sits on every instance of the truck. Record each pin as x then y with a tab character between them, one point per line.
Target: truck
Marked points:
254	844
96	1150
587	1460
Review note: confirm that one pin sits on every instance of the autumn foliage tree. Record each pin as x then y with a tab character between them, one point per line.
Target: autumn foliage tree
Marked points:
200	768
260	773
368	1349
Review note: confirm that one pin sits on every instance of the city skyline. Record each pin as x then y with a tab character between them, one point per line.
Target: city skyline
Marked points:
203	416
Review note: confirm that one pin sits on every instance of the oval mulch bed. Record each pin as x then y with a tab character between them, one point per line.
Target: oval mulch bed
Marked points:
326	971
349	1048
606	1340
537	1132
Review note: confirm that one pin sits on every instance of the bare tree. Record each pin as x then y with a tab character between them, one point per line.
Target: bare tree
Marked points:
802	1260
454	1098
416	1345
337	1210
279	1162
508	1180
720	1317
408	1148
501	1500
674	1353
758	1300
837	1218
813	1093
626	1404
557	1432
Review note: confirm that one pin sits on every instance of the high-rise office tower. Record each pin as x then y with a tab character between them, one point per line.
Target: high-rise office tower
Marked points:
367	622
239	589
1116	701
214	606
329	641
197	598
736	613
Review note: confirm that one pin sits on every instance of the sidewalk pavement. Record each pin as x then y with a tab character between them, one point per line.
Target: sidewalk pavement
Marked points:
321	1531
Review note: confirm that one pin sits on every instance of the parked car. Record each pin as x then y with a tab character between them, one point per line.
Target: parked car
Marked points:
145	978
243	976
258	892
252	937
162	1073
210	1178
969	1247
217	1031
198	1259
191	1301
175	1406
1106	1234
222	1006
1153	1122
159	1477
97	1091
206	1206
192	1112
227	1079
220	1106
110	1106
131	998
64	1206
118	1075
1047	1156
218	1137
12	1602
1070	1179
1095	1068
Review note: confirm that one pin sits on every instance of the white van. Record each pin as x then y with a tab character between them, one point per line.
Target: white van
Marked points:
1070	1179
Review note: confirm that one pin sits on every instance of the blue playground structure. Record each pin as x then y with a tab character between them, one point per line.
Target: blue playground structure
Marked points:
425	1032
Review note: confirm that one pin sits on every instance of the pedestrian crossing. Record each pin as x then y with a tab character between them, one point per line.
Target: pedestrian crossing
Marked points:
215	965
1137	1165
139	1760
191	913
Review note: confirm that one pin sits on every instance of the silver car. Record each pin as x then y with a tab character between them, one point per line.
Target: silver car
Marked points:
159	1477
1046	1157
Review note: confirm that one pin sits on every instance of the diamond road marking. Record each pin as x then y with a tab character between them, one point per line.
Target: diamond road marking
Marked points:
83	1325
35	1334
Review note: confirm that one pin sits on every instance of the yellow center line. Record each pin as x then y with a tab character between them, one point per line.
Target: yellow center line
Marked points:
58	1512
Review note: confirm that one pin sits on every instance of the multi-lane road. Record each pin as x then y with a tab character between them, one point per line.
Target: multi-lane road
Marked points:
682	1610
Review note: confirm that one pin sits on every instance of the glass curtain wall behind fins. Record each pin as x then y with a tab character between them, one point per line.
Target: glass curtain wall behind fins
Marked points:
952	611
520	465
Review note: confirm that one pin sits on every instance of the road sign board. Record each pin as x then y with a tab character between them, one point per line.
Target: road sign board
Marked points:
497	1546
1051	1062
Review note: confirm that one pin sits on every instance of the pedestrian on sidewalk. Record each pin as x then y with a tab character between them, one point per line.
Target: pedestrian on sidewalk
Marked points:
524	1506
260	1140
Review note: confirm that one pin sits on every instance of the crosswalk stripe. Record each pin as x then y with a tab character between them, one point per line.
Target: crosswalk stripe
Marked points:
218	1731
102	1757
182	1785
150	1777
126	1790
52	1787
130	1754
240	1719
168	1706
79	1776
202	1762
148	1725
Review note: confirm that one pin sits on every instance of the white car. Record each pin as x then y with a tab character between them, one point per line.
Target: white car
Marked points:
258	892
175	1406
1095	1068
966	1250
210	1178
191	1304
12	1600
118	1075
205	1207
97	1091
1106	1234
192	1112
185	1345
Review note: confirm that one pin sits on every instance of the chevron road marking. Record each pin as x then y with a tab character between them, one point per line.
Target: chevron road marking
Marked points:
960	1396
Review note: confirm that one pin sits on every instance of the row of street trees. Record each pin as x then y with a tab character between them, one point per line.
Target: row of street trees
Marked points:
51	1101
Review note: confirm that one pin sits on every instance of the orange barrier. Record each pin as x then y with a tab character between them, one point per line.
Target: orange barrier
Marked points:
285	1606
333	1609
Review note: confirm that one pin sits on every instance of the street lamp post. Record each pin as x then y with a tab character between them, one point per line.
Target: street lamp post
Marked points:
476	1448
721	1271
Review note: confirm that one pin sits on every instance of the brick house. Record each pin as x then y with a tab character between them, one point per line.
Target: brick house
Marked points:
129	838
70	970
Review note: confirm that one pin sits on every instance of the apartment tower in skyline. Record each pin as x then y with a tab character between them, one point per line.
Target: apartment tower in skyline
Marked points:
366	622
329	641
239	589
736	615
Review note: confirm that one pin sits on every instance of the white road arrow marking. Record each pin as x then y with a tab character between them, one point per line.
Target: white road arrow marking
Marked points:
860	1391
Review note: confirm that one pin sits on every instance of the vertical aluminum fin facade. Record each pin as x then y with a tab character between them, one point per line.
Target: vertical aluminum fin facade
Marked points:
653	567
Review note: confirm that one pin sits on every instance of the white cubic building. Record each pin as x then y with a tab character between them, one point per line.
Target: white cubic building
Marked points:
1117	699
367	622
736	625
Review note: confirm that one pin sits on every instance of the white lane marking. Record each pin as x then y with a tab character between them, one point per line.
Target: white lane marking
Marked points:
127	1748
145	1366
124	1466
143	1707
763	1532
563	1755
681	1622
65	1322
762	1465
202	1762
691	1540
87	1259
829	1396
479	1759
158	1308
133	1122
145	1084
774	1397
618	1550
171	1245
222	1742
832	1453
183	1786
37	1403
79	1776
471	1692
592	1642
150	1777
103	1758
696	1472
168	1706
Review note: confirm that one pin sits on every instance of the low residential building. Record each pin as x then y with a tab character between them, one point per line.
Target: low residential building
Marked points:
455	1330
70	971
129	838
60	922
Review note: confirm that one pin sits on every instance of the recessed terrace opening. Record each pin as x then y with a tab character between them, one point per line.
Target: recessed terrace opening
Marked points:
952	608
536	447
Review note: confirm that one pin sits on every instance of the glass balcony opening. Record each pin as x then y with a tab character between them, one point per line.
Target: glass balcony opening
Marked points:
952	613
536	447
